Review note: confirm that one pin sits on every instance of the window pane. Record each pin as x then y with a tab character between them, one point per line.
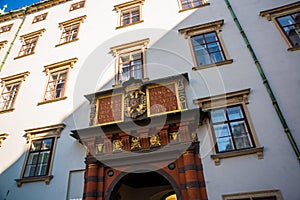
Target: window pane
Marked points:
235	113
198	39
214	47
211	37
224	144
35	145
217	57
202	55
240	134
218	116
221	130
33	158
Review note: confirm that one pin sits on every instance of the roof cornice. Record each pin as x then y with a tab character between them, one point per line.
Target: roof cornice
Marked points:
30	9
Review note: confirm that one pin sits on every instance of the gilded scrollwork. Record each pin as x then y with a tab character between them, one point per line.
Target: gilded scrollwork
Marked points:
135	143
155	140
117	145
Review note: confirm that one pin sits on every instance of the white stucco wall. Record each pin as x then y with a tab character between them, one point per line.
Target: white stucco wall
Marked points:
168	54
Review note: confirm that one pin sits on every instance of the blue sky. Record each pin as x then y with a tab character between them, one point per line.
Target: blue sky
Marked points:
15	4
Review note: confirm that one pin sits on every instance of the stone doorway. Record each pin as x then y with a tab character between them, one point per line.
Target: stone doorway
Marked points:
143	186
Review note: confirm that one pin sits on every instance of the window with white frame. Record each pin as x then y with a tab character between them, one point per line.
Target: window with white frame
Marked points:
189	4
29	42
232	132
129	13
287	20
40	154
70	30
130	60
57	80
206	45
10	89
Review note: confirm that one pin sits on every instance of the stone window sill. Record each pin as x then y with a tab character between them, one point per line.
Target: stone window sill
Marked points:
294	48
7	110
225	62
52	100
258	151
182	10
123	26
23	56
67	42
47	180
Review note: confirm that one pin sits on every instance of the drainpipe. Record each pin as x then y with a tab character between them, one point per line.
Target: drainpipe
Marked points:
266	83
12	42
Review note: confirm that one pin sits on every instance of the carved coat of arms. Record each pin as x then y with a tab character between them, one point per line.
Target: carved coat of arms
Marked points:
135	103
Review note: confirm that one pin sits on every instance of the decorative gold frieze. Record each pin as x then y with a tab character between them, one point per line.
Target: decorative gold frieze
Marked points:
135	143
154	140
117	145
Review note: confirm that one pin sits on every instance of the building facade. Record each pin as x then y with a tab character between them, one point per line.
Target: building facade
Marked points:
158	100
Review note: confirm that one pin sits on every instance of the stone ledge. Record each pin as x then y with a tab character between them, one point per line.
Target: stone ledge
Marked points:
47	180
218	156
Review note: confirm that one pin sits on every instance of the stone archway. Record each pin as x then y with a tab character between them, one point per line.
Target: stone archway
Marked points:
141	186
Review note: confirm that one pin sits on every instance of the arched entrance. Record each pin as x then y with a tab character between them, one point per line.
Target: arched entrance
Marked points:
141	186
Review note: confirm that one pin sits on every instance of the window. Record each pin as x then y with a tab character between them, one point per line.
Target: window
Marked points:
39	157
188	4
77	5
57	80
231	128
10	88
29	43
130	60
129	12
206	45
5	28
2	43
39	18
287	19
261	195
70	30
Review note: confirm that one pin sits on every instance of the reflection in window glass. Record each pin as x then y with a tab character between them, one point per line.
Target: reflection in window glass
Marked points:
230	129
290	24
